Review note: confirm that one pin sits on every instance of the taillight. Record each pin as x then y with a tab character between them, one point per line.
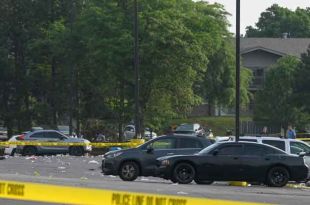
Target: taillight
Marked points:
21	137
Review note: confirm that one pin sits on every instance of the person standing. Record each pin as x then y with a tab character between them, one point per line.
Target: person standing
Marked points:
264	131
291	134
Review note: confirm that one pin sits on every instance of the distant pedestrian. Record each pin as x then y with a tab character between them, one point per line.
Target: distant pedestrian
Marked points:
290	134
264	131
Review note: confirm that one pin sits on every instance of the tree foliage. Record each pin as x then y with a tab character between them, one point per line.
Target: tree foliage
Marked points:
277	20
73	59
276	102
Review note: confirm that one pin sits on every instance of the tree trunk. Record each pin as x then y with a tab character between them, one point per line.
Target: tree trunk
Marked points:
121	111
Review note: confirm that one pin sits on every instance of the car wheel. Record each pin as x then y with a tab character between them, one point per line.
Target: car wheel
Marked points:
76	151
278	177
207	182
129	171
29	150
184	173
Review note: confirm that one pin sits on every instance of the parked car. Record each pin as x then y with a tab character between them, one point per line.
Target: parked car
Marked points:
52	136
290	146
141	161
3	133
190	129
236	161
130	132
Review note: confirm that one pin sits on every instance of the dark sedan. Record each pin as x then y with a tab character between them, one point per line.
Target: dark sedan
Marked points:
233	161
141	161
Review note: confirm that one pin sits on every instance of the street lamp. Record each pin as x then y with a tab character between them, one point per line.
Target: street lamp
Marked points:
237	120
137	72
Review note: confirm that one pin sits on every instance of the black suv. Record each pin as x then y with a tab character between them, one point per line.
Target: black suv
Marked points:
141	161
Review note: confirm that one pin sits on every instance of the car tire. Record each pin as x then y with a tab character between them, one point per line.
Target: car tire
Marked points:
76	151
277	176
129	171
206	182
29	150
184	173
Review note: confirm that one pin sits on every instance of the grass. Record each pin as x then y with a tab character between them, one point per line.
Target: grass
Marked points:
219	125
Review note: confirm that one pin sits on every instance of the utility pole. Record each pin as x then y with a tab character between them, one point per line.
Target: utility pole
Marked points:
237	120
137	72
72	71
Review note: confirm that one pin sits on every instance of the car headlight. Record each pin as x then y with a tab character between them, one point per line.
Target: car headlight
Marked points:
165	162
112	155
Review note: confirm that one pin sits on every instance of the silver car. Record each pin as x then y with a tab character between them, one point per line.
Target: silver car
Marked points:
52	136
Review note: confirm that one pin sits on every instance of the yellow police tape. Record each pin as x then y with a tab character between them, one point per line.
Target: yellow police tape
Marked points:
304	139
73	195
93	144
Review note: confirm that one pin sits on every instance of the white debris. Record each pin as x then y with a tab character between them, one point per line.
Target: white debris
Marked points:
112	176
174	184
182	193
31	157
61	167
144	179
93	162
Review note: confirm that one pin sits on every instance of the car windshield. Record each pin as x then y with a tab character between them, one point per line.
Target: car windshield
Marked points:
185	127
208	149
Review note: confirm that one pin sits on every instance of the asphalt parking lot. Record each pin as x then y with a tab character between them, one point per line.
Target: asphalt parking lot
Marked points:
85	172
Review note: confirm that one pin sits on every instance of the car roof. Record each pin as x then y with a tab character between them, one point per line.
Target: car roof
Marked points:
269	138
40	131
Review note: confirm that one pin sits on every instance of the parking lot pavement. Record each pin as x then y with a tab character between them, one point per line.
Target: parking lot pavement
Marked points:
85	172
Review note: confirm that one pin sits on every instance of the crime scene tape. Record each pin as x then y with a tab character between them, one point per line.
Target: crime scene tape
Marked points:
304	139
74	195
95	144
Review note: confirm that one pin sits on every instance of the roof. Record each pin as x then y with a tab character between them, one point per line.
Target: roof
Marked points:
278	46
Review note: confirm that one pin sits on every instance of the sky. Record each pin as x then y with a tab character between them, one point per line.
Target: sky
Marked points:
251	9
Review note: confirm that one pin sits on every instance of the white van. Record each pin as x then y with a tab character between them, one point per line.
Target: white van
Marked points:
290	146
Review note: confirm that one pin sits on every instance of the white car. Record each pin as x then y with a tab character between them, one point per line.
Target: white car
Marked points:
130	132
290	146
10	149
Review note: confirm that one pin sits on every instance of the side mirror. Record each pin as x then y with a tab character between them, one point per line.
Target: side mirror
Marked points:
62	138
215	152
149	150
302	154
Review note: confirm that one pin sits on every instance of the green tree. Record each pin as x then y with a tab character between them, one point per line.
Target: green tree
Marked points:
302	87
275	102
277	20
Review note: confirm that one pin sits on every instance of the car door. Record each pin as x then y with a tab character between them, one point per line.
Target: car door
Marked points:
255	161
56	137
159	148
188	145
223	163
40	137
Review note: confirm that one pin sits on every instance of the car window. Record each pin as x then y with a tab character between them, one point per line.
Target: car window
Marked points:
253	150
129	129
189	143
275	143
168	143
297	147
270	150
37	135
230	150
53	135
